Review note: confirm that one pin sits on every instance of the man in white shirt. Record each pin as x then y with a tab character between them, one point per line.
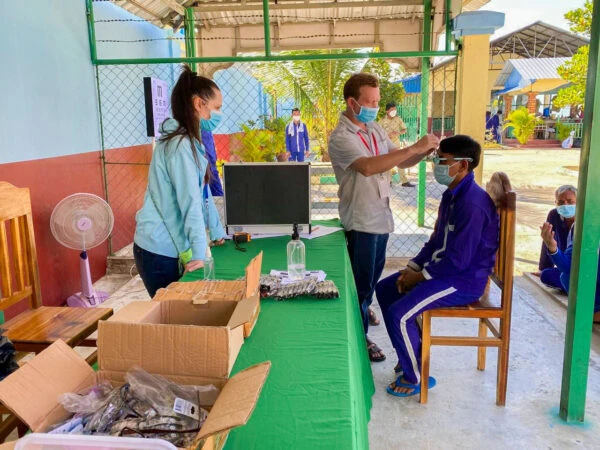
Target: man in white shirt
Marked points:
362	156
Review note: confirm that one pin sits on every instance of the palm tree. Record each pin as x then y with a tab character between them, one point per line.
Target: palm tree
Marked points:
315	85
523	123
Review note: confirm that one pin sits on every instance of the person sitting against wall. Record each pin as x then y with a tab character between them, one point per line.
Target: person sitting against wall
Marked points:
562	260
452	268
561	218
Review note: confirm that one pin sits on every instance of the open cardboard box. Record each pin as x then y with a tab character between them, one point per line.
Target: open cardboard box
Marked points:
175	337
32	392
200	292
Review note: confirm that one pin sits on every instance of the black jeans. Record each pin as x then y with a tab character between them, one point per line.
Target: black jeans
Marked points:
367	255
156	271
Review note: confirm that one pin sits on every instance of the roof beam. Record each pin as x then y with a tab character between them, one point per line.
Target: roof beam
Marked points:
524	47
544	48
143	8
238	6
174	6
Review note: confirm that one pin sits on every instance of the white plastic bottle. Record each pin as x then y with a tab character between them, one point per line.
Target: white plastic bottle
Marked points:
209	265
296	257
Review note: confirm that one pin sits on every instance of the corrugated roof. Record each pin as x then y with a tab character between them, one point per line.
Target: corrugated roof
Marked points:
338	13
539	40
240	12
531	69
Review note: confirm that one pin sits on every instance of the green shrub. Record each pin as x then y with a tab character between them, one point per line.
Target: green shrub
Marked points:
562	130
523	123
261	144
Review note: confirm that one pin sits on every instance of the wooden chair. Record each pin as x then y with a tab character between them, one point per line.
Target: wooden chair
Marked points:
486	310
39	326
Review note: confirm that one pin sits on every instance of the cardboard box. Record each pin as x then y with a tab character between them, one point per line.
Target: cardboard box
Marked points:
32	392
175	338
200	292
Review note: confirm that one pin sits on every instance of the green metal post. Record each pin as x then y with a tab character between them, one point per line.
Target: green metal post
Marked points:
448	18
424	113
190	36
267	25
585	249
89	11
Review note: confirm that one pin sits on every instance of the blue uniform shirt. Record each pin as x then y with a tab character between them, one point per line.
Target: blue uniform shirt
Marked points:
561	233
296	137
562	259
216	188
462	247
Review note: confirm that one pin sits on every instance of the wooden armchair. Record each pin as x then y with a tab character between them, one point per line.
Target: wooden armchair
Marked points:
39	326
486	310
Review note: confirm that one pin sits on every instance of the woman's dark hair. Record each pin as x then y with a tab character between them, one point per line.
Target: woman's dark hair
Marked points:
187	87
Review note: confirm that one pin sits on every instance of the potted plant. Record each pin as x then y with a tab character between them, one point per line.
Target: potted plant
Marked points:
523	124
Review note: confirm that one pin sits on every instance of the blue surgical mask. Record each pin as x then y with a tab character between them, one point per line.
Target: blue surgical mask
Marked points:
366	115
567	211
213	122
441	174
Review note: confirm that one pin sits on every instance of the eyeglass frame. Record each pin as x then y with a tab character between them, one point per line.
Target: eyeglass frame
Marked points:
435	159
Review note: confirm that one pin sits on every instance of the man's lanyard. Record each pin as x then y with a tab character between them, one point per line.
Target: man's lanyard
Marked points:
367	145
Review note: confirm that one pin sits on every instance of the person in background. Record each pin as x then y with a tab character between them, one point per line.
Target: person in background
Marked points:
178	210
562	260
452	268
296	137
362	156
394	126
561	218
493	123
216	188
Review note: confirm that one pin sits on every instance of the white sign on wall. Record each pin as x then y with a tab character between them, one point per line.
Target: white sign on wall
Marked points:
156	96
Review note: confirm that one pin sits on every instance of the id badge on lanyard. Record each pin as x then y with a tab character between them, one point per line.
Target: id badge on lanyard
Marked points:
383	184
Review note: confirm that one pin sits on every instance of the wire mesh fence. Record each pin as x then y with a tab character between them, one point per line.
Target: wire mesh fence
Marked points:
257	103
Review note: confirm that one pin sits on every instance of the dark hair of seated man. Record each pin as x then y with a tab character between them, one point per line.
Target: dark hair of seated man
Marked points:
462	146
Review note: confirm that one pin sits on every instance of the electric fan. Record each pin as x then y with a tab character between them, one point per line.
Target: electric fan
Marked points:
82	221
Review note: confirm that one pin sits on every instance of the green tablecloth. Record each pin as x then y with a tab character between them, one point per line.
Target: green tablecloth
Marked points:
318	393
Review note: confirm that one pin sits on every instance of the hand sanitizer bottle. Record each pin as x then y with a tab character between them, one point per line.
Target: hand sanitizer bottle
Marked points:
296	262
209	265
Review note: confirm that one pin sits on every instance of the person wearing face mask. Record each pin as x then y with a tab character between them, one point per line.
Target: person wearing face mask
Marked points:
562	260
362	156
561	218
452	268
296	137
178	210
394	126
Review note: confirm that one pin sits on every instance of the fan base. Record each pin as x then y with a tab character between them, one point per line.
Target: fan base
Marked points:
82	301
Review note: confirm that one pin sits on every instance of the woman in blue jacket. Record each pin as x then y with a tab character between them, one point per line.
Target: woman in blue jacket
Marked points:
178	210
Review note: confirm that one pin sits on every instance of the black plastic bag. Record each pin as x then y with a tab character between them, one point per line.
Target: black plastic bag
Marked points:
8	363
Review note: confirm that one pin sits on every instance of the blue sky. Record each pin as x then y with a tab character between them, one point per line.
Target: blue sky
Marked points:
520	13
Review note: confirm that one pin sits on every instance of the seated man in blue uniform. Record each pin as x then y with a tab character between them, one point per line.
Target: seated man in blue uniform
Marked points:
562	259
451	269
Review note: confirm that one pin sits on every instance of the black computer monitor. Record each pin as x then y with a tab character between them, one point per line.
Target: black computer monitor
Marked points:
267	197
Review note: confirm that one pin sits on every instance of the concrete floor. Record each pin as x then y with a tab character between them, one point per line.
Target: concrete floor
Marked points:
461	411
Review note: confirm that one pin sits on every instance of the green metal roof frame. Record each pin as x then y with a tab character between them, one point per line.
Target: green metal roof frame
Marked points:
268	55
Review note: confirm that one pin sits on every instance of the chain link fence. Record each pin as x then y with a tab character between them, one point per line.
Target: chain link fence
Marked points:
257	106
